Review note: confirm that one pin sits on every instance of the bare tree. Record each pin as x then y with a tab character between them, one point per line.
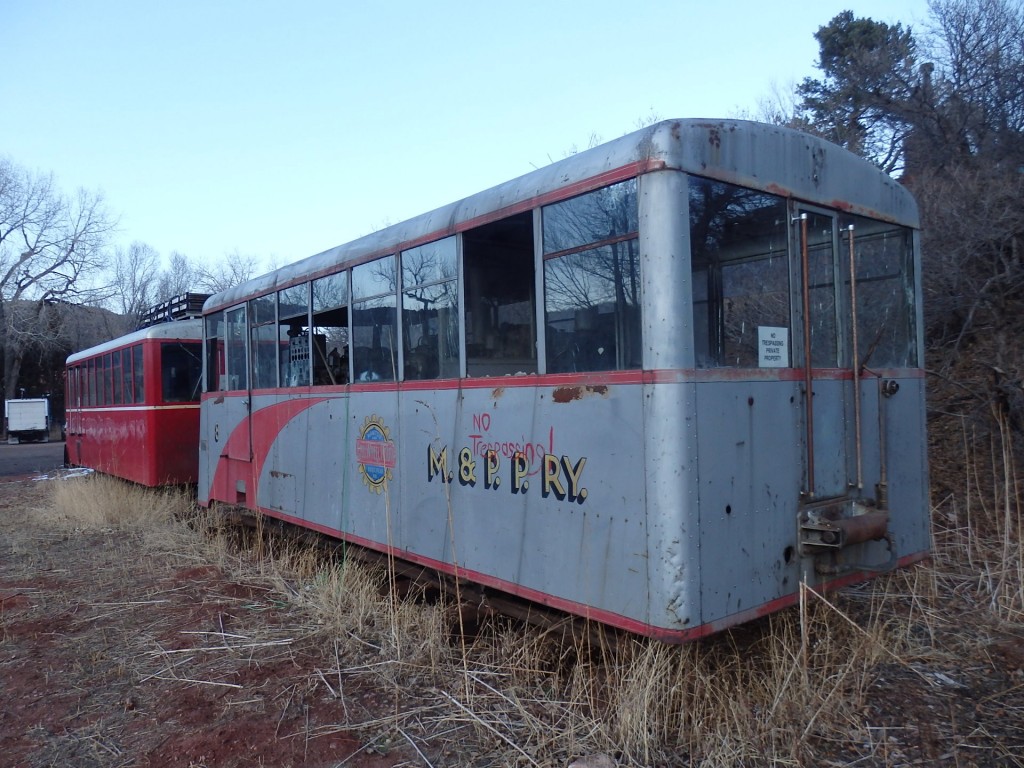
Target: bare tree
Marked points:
779	107
233	269
51	247
182	276
973	105
135	279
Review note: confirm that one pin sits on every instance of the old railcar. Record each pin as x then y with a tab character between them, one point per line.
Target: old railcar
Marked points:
658	384
133	405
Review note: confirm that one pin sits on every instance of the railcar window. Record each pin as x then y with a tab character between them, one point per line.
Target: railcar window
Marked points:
235	348
126	375
115	378
108	380
293	317
138	372
98	380
90	385
181	368
374	308
263	349
72	390
739	243
822	290
601	215
886	313
592	281
212	328
430	311
330	330
500	288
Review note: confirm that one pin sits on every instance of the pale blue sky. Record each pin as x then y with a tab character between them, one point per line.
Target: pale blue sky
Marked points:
283	129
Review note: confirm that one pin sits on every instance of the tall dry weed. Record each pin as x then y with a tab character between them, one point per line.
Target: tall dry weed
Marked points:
100	501
356	609
766	694
978	530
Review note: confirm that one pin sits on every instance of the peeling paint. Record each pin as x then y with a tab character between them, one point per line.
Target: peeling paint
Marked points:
568	394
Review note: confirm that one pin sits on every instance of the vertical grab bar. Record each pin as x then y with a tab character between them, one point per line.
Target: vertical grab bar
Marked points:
856	366
808	381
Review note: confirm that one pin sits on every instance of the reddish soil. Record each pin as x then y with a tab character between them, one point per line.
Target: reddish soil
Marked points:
110	656
113	654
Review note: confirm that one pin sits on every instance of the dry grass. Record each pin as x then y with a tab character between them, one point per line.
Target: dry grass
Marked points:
978	532
98	501
808	686
767	694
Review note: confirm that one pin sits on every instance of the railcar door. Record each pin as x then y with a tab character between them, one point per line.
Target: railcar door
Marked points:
827	386
238	445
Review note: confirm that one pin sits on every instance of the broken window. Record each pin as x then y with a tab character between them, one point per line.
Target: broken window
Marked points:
500	288
293	322
330	330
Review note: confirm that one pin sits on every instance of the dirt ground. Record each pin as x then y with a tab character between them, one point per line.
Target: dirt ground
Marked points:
112	654
109	658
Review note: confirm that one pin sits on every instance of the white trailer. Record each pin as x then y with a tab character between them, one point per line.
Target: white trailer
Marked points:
27	419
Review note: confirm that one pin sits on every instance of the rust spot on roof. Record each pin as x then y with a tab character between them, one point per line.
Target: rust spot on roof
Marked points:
778	189
568	394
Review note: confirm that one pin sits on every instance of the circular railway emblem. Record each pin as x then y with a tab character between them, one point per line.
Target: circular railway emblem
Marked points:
375	454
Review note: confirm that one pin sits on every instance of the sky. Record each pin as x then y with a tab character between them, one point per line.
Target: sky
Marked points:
281	129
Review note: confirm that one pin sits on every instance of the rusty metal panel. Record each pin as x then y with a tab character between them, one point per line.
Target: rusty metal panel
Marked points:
833	412
907	465
440	481
750	454
673	512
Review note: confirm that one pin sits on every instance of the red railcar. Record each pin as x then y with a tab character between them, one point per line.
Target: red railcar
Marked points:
133	405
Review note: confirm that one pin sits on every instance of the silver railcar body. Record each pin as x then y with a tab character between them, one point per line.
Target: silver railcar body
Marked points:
697	383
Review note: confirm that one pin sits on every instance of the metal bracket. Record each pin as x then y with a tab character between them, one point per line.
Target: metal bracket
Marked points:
828	529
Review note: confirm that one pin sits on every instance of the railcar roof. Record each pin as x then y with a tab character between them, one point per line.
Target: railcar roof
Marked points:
179	330
756	155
